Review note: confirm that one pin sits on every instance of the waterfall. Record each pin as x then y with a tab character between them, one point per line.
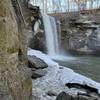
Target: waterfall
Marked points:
51	35
52	40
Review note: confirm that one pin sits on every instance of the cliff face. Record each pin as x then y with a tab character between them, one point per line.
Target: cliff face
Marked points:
81	34
15	82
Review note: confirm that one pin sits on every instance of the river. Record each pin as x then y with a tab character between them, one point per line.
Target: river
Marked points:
85	65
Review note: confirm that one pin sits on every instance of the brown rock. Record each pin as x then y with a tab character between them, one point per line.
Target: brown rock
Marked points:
15	82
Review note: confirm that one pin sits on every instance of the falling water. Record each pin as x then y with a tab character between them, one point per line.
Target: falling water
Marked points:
51	35
52	41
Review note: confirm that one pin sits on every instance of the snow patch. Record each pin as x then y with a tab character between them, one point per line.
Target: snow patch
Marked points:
57	76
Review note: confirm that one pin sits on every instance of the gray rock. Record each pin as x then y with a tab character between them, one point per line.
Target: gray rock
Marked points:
36	63
38	73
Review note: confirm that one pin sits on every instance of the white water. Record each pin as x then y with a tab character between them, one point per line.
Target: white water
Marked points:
51	35
52	41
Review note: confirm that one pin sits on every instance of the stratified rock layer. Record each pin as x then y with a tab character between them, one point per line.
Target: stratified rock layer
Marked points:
15	82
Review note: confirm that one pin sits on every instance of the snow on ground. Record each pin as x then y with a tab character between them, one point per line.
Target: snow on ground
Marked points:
42	56
56	78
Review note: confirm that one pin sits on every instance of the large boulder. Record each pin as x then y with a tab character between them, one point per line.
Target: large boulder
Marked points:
36	63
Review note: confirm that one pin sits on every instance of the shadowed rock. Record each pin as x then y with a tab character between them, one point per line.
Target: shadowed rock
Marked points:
36	63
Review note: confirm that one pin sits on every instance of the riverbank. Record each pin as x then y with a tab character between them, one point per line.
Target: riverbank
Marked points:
85	65
56	78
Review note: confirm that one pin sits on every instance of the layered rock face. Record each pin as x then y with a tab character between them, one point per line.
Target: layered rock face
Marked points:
15	81
81	34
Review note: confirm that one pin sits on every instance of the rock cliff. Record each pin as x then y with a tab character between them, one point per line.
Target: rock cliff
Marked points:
15	81
81	34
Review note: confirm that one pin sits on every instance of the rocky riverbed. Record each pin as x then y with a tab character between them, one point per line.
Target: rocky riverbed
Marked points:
53	82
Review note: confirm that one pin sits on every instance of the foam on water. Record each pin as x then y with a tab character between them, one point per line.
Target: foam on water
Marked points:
62	58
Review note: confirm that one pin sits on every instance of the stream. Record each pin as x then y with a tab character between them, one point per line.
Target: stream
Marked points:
85	65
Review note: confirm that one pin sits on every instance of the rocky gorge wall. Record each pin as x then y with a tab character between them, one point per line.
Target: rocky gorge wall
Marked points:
15	81
81	34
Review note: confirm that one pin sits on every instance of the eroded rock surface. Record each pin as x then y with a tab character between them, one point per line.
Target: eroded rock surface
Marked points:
81	34
15	81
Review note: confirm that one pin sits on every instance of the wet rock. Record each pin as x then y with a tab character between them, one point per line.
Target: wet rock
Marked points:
36	63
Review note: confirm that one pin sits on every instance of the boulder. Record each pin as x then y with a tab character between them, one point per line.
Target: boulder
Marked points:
38	67
36	63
